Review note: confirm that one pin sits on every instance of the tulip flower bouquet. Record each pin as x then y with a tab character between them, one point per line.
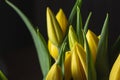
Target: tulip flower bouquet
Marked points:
73	51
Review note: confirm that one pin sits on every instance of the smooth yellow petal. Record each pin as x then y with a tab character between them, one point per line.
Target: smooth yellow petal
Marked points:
67	65
62	20
55	73
76	67
115	72
53	50
82	56
72	37
93	43
55	34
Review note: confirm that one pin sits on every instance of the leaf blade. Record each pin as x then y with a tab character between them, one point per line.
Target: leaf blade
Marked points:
79	27
102	60
2	76
44	57
74	11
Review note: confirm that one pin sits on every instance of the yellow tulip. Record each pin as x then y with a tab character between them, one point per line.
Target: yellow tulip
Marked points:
67	65
72	37
55	33
55	73
77	69
82	56
53	50
115	72
62	20
93	43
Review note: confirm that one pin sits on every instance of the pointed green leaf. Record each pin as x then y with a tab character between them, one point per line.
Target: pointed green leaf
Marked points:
79	27
114	51
74	11
41	47
87	22
116	46
90	64
102	60
2	76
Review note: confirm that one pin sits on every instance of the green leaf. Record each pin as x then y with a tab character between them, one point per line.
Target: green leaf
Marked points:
61	57
114	51
90	64
79	27
2	76
41	46
87	22
102	59
116	46
74	11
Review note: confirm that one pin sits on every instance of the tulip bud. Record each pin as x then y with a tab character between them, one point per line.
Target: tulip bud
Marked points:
115	72
77	67
82	56
72	37
62	20
55	73
55	34
93	43
67	65
53	50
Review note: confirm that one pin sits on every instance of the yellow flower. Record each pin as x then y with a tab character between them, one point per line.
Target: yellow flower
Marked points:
53	50
67	65
62	20
115	72
93	43
55	33
77	68
55	73
72	37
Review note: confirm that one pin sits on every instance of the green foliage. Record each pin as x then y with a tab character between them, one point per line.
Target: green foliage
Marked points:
40	44
2	76
102	66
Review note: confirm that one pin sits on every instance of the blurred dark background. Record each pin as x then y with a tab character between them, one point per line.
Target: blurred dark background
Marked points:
18	57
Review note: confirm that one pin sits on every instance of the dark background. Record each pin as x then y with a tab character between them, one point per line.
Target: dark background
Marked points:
18	57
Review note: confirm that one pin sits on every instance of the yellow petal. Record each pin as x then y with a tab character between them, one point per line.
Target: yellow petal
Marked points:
53	50
93	43
115	72
55	73
72	37
67	65
82	56
55	34
76	67
62	20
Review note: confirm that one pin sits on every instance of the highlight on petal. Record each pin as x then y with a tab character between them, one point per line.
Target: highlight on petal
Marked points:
53	50
115	71
55	34
55	73
93	43
77	70
62	20
67	65
72	37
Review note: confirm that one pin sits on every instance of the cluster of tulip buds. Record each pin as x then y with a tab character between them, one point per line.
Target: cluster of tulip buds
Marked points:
73	51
